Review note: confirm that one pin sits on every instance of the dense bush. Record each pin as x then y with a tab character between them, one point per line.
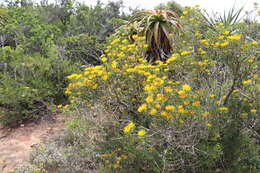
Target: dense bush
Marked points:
195	112
40	44
30	83
83	48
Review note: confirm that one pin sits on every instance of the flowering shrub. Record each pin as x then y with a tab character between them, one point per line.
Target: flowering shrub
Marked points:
195	112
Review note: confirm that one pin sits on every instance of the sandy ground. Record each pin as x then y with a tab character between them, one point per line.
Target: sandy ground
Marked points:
16	144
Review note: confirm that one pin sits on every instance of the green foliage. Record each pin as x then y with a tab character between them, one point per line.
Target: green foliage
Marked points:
40	44
29	82
172	6
84	48
99	20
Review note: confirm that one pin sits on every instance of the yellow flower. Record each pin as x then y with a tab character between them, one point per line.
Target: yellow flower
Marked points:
107	154
128	127
74	76
95	86
205	42
145	46
105	77
236	90
212	96
226	32
256	76
205	114
217	44
170	107
196	104
160	97
181	109
185	12
153	111
149	99
124	156
182	94
221	37
234	37
168	89
104	59
223	108
142	108
135	36
186	87
149	88
157	106
171	59
247	82
59	106
203	52
253	110
209	125
116	166
254	43
186	102
166	114
197	34
114	64
66	107
184	53
226	43
141	132
115	41
141	38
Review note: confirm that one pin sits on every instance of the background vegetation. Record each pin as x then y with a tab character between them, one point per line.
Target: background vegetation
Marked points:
43	43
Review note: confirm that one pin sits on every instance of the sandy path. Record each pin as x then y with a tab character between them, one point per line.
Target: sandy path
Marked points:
16	144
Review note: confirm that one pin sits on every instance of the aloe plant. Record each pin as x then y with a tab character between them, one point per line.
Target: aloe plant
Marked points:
229	18
158	26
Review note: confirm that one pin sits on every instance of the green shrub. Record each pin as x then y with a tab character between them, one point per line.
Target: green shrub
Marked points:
82	48
30	83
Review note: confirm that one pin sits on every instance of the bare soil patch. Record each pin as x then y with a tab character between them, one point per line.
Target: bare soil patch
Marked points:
17	143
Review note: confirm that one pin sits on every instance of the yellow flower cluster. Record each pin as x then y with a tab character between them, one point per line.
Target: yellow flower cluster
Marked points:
247	82
235	37
116	161
160	95
223	108
141	132
128	127
185	53
179	91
